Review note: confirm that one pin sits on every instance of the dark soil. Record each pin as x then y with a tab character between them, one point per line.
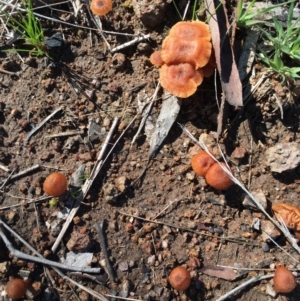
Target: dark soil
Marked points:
203	227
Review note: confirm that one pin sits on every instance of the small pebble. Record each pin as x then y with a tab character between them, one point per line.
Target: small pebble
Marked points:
265	247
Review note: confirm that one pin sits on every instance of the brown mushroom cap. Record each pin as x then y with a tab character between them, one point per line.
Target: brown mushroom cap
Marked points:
101	7
155	59
201	162
55	184
16	288
190	30
217	178
284	280
194	51
180	278
181	80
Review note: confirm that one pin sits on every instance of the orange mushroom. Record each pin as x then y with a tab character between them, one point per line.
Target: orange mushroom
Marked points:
101	7
180	278
217	178
190	30
284	280
16	288
55	184
156	59
181	80
194	51
201	163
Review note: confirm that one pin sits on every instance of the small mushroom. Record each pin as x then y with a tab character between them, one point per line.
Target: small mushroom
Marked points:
101	7
55	184
181	80
284	280
180	278
201	162
16	288
193	51
217	177
156	59
190	30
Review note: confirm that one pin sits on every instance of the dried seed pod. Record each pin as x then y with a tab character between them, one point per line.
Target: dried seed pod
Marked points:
288	214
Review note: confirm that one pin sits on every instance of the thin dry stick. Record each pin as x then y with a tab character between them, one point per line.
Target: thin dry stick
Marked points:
4	168
239	241
37	128
23	173
136	40
85	188
7	179
244	284
29	201
236	181
40	260
99	228
64	134
90	291
161	212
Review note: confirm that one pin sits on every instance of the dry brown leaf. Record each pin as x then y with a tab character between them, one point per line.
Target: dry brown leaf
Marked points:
219	272
226	65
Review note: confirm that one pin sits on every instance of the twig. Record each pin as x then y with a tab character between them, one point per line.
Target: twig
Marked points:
85	188
250	281
138	39
33	131
4	168
64	134
22	173
84	288
42	260
121	298
7	72
239	241
7	179
99	228
30	201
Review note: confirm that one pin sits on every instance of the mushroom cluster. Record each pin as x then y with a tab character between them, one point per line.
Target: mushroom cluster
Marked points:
101	7
205	166
185	58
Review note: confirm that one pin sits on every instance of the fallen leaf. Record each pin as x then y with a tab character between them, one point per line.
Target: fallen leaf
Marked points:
219	272
226	65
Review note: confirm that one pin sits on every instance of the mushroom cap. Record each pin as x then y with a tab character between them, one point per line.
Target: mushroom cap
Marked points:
217	178
190	30
101	7
194	51
289	214
55	184
284	280
155	58
201	162
16	288
180	278
181	80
